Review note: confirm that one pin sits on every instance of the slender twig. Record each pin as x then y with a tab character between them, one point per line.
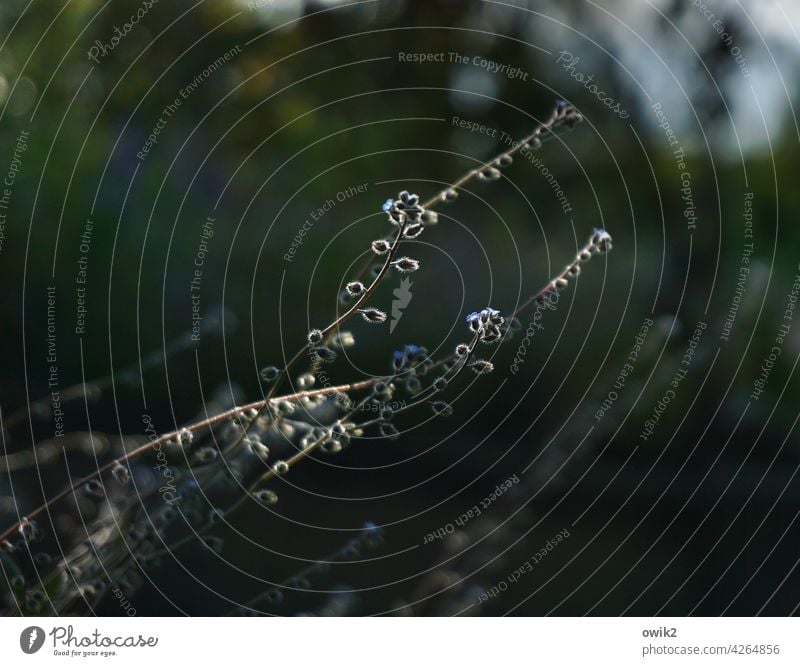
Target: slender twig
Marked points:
599	242
266	476
561	115
198	425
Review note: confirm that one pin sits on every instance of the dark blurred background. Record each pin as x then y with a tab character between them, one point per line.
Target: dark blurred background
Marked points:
317	99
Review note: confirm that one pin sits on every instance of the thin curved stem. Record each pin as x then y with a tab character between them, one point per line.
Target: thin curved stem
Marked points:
198	425
561	114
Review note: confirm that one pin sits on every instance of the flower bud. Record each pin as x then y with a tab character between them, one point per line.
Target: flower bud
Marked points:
406	264
441	408
380	246
373	315
355	288
270	373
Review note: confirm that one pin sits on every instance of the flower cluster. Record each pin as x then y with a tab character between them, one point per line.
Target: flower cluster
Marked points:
411	357
601	241
565	114
487	324
406	208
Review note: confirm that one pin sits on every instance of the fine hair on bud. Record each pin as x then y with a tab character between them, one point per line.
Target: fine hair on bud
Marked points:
373	315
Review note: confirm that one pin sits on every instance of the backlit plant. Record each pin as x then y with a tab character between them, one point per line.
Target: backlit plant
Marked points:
232	451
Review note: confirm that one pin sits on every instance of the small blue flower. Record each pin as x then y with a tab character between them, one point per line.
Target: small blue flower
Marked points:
409	354
486	324
387	206
399	360
601	240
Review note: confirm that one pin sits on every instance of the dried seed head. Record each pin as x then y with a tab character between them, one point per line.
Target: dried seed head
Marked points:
584	256
440	384
185	437
448	196
314	336
559	284
503	161
280	468
462	349
574	270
